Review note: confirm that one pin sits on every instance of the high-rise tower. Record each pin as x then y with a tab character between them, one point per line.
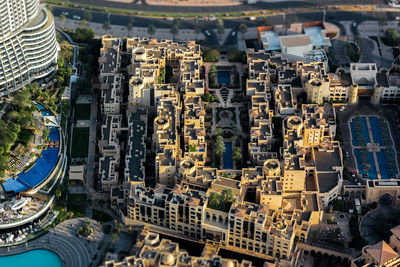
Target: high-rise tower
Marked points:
28	45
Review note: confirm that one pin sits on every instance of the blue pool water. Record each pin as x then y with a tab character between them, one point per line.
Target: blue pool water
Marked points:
224	77
33	258
383	160
372	174
227	157
40	107
356	140
380	131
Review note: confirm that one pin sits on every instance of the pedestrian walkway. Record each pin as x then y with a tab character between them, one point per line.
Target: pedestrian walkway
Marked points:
3	109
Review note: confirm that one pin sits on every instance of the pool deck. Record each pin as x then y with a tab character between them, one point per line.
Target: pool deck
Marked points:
72	250
375	145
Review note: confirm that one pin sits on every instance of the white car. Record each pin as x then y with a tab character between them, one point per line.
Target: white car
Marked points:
207	33
64	13
76	17
233	34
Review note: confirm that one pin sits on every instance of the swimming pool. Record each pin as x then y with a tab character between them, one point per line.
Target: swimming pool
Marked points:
227	157
387	164
40	106
224	77
359	131
33	258
372	174
380	131
43	167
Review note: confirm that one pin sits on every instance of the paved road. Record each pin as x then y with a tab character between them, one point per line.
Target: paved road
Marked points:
331	16
270	4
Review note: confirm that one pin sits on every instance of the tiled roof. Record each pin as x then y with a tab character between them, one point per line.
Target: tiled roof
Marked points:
381	252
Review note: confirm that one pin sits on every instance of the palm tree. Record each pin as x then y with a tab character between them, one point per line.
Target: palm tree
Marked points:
106	25
214	200
243	29
218	131
83	23
87	15
220	28
129	27
197	31
237	153
227	196
213	68
62	19
264	21
151	29
220	146
58	193
174	30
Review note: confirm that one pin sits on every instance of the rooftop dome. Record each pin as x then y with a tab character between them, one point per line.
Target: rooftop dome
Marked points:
228	263
168	259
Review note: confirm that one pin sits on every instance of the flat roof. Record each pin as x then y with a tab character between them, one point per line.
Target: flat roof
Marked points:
327	181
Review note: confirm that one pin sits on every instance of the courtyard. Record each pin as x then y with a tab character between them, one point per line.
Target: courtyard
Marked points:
372	147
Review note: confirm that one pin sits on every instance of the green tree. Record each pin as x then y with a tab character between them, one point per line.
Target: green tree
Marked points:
235	55
106	26
214	200
161	77
174	30
213	68
129	27
227	196
220	28
62	19
87	15
243	29
218	131
219	146
211	55
58	193
206	97
83	23
237	153
392	37
151	29
264	21
197	31
45	133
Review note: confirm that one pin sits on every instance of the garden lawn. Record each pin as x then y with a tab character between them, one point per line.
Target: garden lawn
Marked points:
77	204
80	142
101	216
82	111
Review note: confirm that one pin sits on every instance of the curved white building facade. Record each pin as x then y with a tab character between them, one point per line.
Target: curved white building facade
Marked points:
28	45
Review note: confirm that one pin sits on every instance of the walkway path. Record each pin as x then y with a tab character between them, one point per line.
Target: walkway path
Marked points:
378	173
92	145
3	109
